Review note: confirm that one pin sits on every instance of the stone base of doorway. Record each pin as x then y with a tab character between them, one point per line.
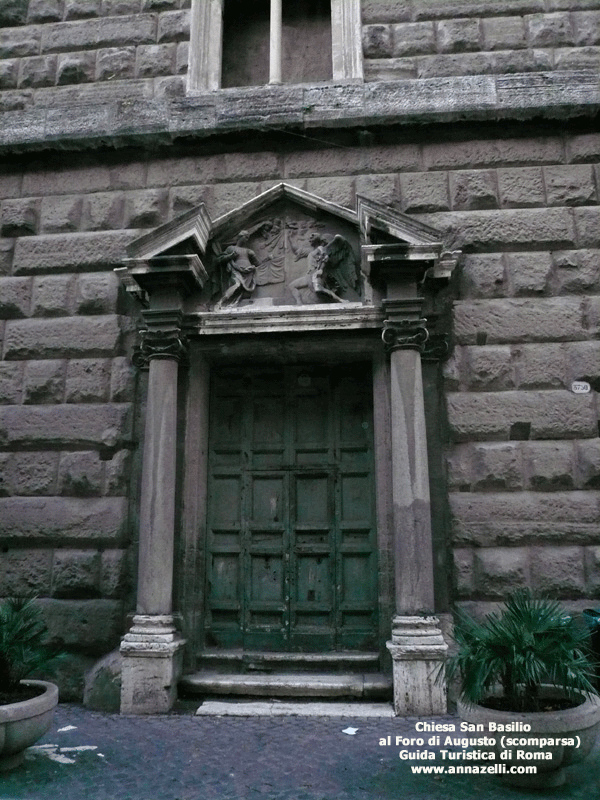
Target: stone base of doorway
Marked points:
290	708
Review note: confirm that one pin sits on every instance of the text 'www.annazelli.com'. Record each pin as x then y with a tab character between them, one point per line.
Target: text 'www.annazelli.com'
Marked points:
472	769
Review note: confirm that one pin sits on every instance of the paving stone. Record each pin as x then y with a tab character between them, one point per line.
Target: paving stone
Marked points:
87	380
93	425
500	570
25	572
34	473
70	520
558	571
75	573
20	217
66	336
44	382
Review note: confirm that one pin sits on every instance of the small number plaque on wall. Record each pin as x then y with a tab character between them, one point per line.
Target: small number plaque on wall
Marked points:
580	387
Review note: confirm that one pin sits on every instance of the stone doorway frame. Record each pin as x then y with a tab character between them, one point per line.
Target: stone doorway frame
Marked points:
406	260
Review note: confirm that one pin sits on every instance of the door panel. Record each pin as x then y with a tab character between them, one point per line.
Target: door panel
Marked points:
291	556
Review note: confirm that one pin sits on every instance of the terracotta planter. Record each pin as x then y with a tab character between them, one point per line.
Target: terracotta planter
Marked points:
580	724
22	724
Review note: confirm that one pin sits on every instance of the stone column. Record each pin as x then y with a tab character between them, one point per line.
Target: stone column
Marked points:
152	650
417	646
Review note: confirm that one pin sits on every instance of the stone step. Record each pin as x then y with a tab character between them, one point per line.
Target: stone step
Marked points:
247	661
301	684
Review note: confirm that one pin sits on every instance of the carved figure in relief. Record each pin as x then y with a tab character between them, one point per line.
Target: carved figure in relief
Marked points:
240	264
331	268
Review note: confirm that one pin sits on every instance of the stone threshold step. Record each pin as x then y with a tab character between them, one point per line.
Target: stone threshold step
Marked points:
303	684
279	708
261	661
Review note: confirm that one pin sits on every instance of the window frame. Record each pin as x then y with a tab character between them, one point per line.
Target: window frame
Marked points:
206	44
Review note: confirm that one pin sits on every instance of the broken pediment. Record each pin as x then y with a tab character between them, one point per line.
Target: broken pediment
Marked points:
289	247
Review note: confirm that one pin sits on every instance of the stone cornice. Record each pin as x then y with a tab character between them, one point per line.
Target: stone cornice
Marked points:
95	117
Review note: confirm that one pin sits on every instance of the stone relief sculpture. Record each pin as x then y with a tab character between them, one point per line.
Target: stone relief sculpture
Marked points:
331	268
240	264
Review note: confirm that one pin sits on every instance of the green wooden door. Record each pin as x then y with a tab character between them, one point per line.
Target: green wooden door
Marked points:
291	555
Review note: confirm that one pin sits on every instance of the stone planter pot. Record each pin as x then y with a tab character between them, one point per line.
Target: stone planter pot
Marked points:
22	724
580	724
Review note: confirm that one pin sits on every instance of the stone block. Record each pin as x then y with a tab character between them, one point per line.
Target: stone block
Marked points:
422	192
529	273
540	366
19	42
97	293
382	188
449	64
496	466
463	571
80	474
503	33
591	560
570	185
483	275
118	473
30	123
558	571
113	573
500	570
583	362
20	217
77	176
113	8
243	166
155	59
550	465
9	71
15	297
174	26
434	9
492	153
488	519
88	380
577	58
13	12
6	251
489	367
587	224
413	39
227	196
158	5
34	473
122	381
45	11
458	35
490	230
66	336
549	30
177	171
75	67
115	63
583	148
102	211
6	488
93	625
102	689
182	58
588	463
75	573
592	315
92	33
518	320
551	414
521	187
145	209
11	382
81	9
70	521
377	11
575	271
339	190
586	26
52	295
65	425
183	198
25	572
58	253
44	382
377	41
510	62
61	214
473	189
37	71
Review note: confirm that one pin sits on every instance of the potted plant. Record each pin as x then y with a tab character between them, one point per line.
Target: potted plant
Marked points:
526	678
26	706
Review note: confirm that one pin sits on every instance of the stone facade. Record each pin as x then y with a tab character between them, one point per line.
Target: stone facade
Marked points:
476	118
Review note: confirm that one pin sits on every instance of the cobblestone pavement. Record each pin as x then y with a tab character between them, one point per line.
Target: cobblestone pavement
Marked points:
182	757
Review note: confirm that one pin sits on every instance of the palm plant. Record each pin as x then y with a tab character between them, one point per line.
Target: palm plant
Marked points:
24	647
530	643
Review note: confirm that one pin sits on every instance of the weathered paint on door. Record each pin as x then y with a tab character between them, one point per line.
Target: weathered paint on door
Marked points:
291	561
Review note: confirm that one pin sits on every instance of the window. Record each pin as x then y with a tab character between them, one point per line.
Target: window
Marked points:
235	43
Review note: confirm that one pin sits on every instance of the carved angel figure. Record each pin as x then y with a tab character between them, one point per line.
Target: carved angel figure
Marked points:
331	268
240	264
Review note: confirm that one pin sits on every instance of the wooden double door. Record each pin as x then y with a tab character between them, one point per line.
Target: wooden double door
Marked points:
291	547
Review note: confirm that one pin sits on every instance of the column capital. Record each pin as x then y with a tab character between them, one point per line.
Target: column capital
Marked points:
160	344
404	334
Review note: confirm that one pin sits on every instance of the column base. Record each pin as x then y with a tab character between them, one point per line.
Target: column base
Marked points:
152	658
418	651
